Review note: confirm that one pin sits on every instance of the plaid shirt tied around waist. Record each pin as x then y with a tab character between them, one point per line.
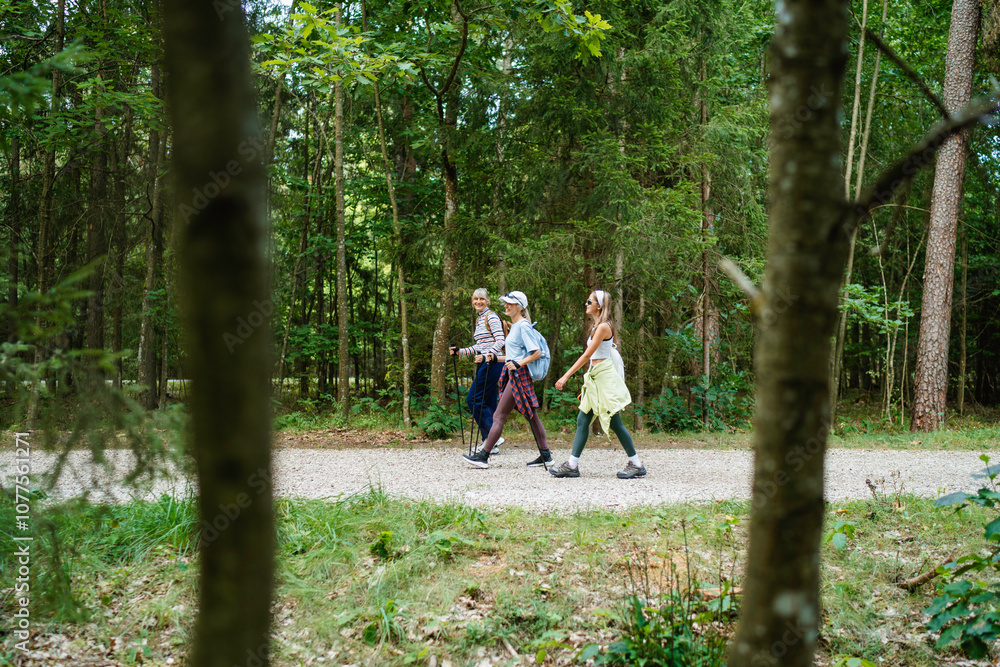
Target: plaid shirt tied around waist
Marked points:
523	390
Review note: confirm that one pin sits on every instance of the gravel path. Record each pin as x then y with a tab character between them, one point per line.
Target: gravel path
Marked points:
675	475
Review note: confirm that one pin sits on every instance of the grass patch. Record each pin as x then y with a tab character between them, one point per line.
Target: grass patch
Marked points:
375	580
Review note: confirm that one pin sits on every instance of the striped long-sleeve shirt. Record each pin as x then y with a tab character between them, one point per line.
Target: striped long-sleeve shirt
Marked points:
488	335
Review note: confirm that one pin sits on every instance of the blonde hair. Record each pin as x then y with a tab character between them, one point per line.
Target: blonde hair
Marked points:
606	314
524	311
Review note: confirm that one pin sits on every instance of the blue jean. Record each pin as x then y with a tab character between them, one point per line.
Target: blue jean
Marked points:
482	397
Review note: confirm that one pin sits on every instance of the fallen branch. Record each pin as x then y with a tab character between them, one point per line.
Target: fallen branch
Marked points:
510	648
916	582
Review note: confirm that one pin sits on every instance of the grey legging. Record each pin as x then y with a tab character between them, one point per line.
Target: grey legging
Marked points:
583	430
504	408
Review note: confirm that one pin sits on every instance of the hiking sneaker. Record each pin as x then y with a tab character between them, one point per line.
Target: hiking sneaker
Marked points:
564	470
543	458
496	447
631	471
480	459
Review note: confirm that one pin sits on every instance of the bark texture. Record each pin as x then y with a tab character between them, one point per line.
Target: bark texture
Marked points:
13	225
806	256
930	384
221	228
447	103
404	329
343	309
154	259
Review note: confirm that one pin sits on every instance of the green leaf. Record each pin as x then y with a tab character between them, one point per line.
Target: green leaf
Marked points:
839	540
975	647
951	499
958	588
953	633
992	531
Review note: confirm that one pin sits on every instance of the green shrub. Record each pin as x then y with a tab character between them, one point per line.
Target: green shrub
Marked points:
967	608
440	418
724	404
671	627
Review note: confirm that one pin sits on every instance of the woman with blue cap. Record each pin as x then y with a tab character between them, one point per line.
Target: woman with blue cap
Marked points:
517	391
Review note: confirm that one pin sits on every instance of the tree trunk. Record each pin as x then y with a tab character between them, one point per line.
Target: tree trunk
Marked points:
119	240
899	216
224	281
154	259
14	226
857	100
964	309
343	337
838	355
708	317
930	385
303	238
447	114
97	244
439	354
168	290
319	258
807	251
639	353
49	172
397	231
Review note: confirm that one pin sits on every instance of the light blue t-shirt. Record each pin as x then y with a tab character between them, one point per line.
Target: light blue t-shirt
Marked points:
521	341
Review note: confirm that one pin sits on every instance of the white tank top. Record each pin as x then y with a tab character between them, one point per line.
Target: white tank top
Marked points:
603	350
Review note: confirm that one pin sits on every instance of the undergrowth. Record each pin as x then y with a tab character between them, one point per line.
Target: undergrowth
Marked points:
373	580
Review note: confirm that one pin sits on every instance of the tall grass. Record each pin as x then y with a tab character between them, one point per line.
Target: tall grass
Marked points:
370	579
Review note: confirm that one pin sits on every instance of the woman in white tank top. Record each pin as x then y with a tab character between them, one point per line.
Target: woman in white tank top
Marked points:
604	391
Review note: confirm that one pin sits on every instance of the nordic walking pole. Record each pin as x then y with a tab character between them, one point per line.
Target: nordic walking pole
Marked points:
474	426
458	399
482	399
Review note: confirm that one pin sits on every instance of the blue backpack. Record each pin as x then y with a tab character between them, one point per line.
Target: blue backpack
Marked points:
539	368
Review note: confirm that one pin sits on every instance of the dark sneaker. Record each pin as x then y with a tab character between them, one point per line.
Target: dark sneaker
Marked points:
480	459
564	470
543	459
631	471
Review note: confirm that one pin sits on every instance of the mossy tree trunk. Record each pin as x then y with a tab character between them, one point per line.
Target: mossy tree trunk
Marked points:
806	256
221	226
343	307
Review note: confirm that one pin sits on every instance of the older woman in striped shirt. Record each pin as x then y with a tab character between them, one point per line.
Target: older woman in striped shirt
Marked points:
489	336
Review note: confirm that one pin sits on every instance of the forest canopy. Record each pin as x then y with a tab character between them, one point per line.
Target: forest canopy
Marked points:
545	147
